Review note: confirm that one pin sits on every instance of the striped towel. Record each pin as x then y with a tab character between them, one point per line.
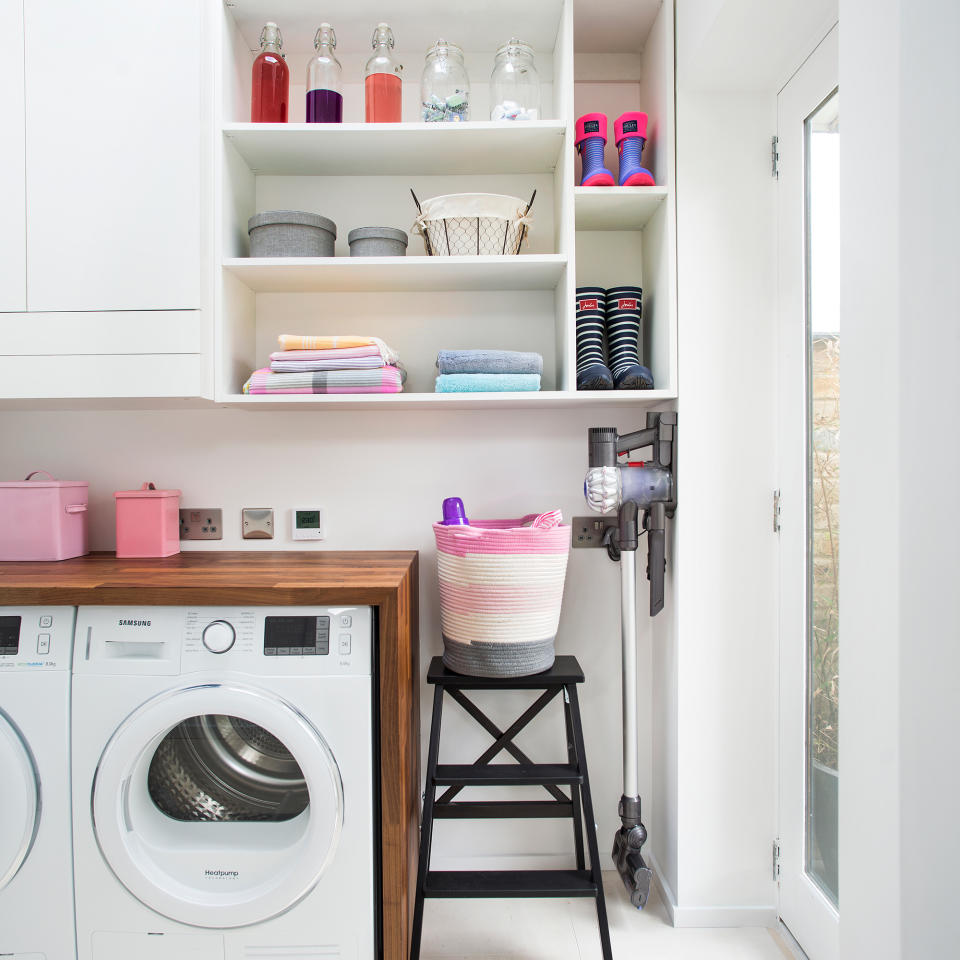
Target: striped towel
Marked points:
486	382
380	380
342	363
293	342
345	353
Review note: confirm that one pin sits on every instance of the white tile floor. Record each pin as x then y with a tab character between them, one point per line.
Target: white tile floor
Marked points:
567	930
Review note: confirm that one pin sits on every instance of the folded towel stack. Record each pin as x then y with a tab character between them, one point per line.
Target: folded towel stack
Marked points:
467	371
329	365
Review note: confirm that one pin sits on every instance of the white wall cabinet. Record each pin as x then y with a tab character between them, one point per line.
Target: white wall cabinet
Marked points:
13	223
103	184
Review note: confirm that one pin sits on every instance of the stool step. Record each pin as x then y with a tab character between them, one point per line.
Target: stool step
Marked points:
509	883
503	810
505	774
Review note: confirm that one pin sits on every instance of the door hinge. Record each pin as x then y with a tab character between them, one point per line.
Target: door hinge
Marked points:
776	859
774	158
776	511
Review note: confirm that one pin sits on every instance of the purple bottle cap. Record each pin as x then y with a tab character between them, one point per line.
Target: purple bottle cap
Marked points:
453	514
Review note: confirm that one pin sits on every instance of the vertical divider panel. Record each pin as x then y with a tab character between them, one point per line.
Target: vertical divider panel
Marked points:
563	190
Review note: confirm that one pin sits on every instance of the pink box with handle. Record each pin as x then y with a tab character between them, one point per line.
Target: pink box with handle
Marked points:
148	522
43	519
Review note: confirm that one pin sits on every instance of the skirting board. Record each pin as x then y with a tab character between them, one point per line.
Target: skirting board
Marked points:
745	916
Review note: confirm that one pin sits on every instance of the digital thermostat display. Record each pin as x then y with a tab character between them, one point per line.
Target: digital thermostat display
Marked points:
307	524
307	518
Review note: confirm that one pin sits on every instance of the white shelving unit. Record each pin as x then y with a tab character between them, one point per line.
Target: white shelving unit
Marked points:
360	174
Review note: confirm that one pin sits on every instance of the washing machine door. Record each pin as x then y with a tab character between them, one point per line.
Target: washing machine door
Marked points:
217	805
19	800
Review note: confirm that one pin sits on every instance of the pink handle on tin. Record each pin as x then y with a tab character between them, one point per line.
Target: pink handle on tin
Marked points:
76	508
30	476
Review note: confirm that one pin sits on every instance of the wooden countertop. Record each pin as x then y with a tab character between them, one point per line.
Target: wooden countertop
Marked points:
384	579
281	578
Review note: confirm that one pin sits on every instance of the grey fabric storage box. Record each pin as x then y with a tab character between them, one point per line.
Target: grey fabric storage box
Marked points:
377	242
291	233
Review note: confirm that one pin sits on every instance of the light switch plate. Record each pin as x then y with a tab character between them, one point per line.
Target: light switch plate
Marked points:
203	524
257	523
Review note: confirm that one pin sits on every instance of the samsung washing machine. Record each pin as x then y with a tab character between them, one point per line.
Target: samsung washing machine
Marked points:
36	866
223	779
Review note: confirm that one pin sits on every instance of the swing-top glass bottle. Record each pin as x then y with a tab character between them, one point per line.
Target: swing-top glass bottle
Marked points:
382	79
270	88
324	79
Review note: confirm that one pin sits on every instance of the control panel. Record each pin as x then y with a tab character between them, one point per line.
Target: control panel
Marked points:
35	638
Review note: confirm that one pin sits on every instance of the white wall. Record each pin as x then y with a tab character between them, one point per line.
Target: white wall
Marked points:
382	476
900	618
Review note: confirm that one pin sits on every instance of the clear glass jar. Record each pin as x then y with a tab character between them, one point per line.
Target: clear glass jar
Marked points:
324	80
514	83
444	86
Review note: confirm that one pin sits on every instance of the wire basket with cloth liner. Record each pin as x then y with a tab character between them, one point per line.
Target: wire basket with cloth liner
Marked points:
473	224
218	767
501	586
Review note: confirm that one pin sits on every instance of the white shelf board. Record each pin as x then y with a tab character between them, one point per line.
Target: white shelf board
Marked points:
393	149
378	274
616	208
448	401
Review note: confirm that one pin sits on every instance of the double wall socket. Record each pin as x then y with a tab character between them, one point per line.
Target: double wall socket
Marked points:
203	524
589	531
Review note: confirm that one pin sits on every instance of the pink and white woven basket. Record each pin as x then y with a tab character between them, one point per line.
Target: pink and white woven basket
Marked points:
501	587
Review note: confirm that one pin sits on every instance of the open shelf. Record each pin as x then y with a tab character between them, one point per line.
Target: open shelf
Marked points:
616	208
392	149
384	274
449	401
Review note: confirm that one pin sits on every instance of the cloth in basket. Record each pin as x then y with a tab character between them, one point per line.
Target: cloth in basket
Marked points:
501	587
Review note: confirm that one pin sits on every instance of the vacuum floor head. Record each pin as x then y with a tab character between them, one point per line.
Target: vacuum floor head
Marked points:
634	873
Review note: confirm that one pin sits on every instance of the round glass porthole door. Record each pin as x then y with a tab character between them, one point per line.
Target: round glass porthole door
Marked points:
217	805
19	801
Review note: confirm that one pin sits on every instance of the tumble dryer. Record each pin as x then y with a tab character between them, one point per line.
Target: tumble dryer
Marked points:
36	866
223	775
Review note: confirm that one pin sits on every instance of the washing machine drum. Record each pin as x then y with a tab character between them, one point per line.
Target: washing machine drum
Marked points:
217	805
19	800
219	767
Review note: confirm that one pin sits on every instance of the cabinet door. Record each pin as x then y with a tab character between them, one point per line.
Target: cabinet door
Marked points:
13	224
113	148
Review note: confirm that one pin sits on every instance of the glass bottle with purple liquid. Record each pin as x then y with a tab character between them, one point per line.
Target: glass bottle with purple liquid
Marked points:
324	95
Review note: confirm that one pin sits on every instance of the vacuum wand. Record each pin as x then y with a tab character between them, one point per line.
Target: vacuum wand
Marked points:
644	495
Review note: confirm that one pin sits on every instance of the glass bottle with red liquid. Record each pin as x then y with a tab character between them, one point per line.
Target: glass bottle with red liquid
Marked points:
271	79
324	80
383	84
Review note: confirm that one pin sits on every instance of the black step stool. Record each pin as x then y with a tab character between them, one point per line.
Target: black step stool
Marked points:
563	677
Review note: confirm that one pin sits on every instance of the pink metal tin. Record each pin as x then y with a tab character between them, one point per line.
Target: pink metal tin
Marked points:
148	522
43	519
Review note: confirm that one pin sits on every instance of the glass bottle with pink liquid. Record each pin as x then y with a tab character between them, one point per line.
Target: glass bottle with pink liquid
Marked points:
270	94
382	79
324	80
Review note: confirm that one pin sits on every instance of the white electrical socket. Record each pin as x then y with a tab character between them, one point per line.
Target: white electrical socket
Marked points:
308	523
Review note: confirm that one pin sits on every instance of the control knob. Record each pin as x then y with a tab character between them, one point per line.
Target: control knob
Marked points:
219	636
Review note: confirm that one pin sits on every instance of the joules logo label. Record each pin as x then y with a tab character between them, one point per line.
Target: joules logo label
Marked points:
222	874
626	304
588	305
133	623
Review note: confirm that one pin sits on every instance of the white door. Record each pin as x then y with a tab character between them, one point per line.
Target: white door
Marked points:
19	801
809	435
13	200
217	805
113	154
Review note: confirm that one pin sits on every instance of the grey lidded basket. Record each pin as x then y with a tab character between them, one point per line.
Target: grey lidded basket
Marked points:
377	242
291	233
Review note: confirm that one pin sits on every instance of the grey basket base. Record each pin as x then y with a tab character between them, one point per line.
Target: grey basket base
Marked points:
484	659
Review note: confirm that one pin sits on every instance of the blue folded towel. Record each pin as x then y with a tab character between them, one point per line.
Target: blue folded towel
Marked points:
486	382
488	361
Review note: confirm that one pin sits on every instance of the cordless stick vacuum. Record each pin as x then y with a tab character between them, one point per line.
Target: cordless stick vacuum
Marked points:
644	494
